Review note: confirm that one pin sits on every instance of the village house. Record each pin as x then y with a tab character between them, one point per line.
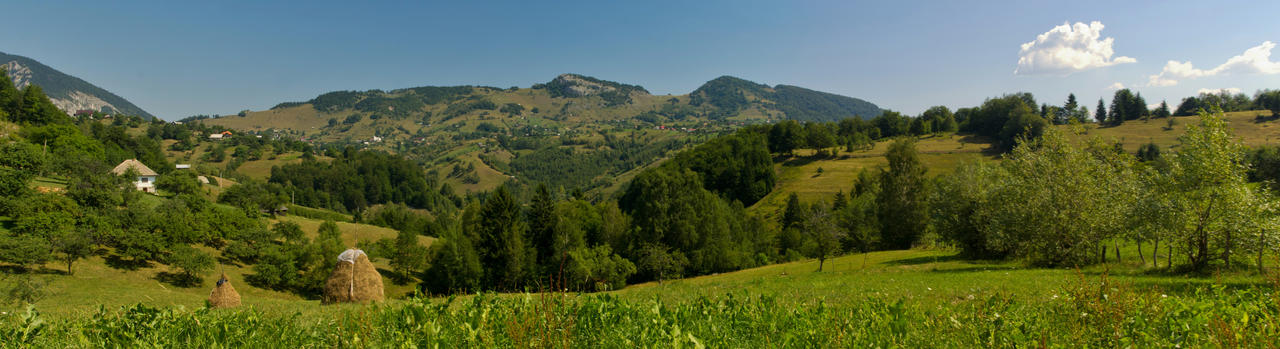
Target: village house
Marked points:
146	180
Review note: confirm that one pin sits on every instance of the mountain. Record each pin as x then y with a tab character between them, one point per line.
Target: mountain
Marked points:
732	95
69	93
574	131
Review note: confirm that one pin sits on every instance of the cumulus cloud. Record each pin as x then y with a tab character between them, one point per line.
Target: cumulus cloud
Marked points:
1255	60
1066	49
1229	90
1116	86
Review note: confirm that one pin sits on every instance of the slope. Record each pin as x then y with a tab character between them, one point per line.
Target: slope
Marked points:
599	128
69	93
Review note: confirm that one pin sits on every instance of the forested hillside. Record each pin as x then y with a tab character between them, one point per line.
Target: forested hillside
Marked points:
574	132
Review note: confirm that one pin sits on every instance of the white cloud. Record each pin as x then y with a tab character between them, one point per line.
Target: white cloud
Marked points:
1229	90
1066	49
1116	86
1255	60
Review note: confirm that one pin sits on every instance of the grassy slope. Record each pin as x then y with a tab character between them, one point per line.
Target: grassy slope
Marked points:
942	154
95	283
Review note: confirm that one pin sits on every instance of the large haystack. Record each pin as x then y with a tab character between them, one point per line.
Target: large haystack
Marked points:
353	280
223	295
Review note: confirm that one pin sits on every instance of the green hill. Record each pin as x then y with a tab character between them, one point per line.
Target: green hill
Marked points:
732	95
574	132
69	93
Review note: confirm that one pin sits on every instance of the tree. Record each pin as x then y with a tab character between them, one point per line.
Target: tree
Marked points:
1149	152
542	221
73	245
819	136
455	266
903	212
1022	125
1268	100
179	182
825	235
501	244
1213	203
956	206
792	215
1071	104
597	269
191	262
940	118
1100	113
407	256
660	262
290	231
1162	111
785	137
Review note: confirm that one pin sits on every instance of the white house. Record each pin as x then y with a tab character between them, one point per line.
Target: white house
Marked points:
146	180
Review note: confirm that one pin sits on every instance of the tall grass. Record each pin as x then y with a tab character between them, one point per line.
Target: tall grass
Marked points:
1088	311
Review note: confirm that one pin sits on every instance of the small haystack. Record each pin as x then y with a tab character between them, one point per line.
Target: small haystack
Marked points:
223	295
353	280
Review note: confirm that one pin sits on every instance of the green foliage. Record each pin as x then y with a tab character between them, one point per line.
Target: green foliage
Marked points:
501	243
317	214
562	167
738	167
1021	125
254	196
903	210
730	95
455	265
191	262
824	233
671	208
407	257
785	137
1126	105
597	269
179	182
355	180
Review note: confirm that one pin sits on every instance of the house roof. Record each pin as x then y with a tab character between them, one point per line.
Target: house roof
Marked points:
143	170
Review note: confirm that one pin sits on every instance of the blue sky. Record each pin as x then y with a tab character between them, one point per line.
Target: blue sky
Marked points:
176	58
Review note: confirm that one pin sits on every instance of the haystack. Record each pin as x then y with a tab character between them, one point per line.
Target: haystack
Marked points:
353	280
223	295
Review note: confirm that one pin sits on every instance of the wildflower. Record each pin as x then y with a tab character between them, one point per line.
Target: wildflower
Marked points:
1084	314
1164	296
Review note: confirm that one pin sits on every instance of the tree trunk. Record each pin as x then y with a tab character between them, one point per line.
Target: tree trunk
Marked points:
1262	246
1104	252
821	260
1117	251
1168	263
1142	259
1155	254
1226	252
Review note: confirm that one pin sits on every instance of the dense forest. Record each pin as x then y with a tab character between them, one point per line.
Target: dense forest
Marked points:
731	95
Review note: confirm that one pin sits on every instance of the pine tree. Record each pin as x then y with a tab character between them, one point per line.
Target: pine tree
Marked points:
1071	103
542	227
501	244
793	214
9	95
1100	114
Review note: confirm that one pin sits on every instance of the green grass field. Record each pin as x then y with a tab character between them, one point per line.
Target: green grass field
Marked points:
914	298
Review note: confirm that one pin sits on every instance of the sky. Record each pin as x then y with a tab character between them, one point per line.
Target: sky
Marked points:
181	58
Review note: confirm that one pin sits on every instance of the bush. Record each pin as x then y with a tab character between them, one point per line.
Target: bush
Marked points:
597	269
